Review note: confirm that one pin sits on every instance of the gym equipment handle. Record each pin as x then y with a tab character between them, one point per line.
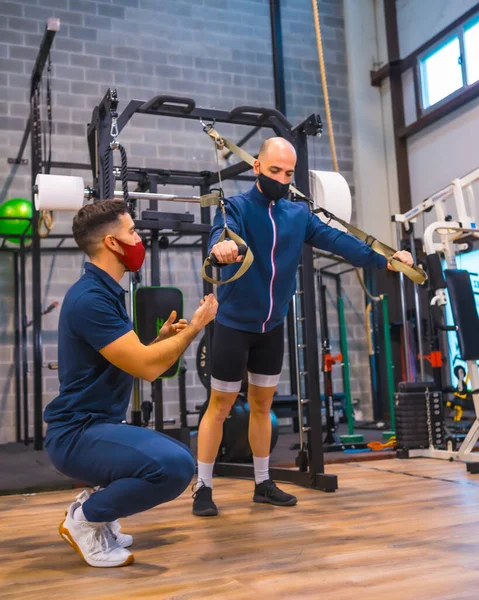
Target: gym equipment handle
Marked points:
437	319
264	112
242	249
174	102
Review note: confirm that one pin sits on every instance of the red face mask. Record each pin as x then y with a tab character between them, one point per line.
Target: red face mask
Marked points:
133	256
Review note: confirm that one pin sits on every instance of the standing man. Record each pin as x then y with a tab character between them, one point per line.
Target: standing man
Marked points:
248	333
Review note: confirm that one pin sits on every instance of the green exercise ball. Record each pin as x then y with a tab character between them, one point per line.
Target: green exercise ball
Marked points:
15	207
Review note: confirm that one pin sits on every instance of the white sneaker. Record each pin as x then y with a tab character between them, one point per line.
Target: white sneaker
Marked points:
123	539
93	542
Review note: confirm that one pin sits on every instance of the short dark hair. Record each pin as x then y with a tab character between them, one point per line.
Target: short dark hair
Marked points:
91	222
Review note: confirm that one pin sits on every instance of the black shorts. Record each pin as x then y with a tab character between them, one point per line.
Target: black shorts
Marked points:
235	351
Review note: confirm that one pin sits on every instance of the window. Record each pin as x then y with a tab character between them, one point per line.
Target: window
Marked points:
441	72
452	65
471	50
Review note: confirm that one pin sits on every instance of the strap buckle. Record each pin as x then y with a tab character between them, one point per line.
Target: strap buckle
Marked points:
207	127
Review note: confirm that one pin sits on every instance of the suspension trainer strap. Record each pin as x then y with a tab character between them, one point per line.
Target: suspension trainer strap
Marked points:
415	273
218	200
228	234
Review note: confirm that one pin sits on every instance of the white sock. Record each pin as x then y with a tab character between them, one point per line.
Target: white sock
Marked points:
78	514
261	469
205	474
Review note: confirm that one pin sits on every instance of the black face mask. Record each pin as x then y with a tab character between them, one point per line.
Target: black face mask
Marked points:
272	189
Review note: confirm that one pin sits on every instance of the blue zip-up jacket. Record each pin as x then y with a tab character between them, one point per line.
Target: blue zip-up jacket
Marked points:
275	231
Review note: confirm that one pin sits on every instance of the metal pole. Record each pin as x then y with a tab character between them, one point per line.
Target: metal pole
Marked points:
346	375
278	62
157	385
136	412
151	196
315	433
182	393
405	325
417	303
36	280
331	437
389	360
297	373
53	25
24	339
292	354
17	353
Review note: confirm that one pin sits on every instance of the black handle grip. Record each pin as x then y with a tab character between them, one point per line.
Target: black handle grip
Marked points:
436	313
174	102
242	249
262	112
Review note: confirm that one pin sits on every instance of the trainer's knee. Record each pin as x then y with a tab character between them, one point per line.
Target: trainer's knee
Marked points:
174	472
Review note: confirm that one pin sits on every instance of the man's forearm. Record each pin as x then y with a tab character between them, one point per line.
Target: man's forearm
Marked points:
164	353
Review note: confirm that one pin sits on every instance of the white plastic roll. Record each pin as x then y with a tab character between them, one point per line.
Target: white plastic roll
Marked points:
59	192
329	190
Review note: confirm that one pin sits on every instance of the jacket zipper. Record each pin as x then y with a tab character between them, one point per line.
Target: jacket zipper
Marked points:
273	268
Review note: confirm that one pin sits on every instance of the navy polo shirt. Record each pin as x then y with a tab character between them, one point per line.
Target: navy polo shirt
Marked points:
92	316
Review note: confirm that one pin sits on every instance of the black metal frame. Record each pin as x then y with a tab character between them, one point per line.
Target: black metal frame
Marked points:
20	324
99	139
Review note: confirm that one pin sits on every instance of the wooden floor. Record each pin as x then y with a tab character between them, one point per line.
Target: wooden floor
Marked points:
395	529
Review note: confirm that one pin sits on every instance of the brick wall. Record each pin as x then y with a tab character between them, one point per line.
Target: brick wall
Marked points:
215	51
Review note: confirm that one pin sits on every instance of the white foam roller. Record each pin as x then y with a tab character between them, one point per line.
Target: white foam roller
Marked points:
330	190
59	192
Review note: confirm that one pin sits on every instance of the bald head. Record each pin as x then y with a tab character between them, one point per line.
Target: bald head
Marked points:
276	159
276	147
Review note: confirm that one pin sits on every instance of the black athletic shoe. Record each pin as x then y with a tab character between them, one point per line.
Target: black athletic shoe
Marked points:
203	505
269	492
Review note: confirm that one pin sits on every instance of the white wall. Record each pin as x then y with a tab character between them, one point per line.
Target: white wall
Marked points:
448	148
420	20
444	151
371	120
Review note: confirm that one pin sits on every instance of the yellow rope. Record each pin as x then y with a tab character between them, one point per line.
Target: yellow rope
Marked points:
45	223
322	68
324	83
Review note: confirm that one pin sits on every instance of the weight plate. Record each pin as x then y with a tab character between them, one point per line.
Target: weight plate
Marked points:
413	439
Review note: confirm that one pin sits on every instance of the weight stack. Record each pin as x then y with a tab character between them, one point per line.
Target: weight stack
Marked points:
413	403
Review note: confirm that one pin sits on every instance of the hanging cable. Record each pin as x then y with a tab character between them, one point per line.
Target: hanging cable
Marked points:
322	68
46	220
108	188
49	115
108	177
365	289
324	83
108	166
124	173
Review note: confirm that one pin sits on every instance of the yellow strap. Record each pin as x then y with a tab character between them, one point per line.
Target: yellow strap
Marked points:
415	273
210	200
222	143
45	223
245	265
